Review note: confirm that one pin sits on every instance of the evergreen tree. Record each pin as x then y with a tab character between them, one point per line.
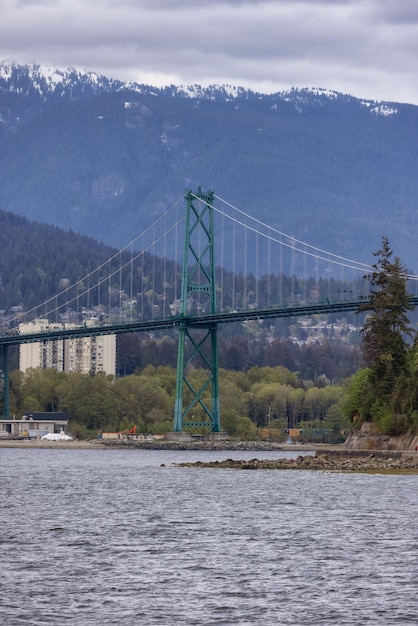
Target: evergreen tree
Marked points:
385	329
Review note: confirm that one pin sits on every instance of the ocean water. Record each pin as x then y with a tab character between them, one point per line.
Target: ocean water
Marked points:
124	537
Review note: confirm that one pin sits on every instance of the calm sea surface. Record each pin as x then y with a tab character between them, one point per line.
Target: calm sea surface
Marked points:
113	537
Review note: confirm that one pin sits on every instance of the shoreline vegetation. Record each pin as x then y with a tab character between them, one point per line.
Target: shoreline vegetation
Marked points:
319	456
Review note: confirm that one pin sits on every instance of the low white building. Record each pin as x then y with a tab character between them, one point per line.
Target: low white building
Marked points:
33	425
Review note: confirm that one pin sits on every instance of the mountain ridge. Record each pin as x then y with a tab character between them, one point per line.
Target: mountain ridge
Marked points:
48	80
103	157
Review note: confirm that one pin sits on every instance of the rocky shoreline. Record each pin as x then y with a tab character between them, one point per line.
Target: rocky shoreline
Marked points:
121	444
325	458
212	445
374	463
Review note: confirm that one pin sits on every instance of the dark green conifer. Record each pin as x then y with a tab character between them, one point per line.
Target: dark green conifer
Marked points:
385	331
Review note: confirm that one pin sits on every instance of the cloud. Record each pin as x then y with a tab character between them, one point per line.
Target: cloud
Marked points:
347	45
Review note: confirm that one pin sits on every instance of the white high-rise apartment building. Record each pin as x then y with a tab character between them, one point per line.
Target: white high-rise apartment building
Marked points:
87	355
90	355
49	354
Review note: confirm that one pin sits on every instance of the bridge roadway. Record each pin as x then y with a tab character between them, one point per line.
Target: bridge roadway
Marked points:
204	321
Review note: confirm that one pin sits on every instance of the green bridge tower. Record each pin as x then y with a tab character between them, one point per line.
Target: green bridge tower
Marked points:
198	280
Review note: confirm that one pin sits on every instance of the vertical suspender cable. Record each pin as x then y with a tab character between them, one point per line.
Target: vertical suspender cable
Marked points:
131	295
257	271
142	285
222	268
268	272
292	279
153	274
280	274
245	271
164	290
233	267
120	287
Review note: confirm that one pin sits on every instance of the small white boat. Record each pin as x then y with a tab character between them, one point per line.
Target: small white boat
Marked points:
61	436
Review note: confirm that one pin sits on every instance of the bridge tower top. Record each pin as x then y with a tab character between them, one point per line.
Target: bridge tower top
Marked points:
199	256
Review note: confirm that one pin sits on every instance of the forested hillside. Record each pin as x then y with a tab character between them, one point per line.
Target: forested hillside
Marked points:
37	258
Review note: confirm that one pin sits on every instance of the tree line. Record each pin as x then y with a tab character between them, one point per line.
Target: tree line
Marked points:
270	398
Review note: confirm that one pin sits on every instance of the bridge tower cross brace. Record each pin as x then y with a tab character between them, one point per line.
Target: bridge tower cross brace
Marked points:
198	275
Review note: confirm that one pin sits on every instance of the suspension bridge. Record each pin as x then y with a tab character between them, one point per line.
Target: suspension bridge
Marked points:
192	269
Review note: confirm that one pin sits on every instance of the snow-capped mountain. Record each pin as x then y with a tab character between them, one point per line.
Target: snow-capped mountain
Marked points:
49	84
101	156
46	81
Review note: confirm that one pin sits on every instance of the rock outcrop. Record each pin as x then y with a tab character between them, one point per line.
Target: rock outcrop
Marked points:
363	463
367	438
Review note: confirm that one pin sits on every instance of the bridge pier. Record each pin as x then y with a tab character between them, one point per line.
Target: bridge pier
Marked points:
178	437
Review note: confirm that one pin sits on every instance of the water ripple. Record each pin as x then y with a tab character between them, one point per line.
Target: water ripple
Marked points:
110	538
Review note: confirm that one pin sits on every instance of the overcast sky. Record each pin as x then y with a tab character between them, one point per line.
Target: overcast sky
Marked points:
366	48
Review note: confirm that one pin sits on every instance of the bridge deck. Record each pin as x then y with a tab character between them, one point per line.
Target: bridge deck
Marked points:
14	338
